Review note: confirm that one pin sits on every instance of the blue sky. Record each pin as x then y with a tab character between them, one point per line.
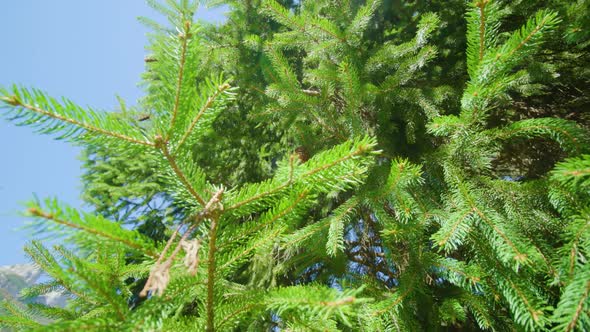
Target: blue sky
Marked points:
87	51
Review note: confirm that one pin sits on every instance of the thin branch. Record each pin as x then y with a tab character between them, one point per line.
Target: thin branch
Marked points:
284	212
579	308
61	281
247	251
186	234
164	148
574	250
520	257
148	283
160	271
394	303
185	36
202	111
287	18
482	27
255	197
105	295
337	303
459	221
535	314
15	102
39	213
321	226
12	306
526	40
214	209
211	275
537	28
235	313
310	92
578	172
359	151
573	139
471	278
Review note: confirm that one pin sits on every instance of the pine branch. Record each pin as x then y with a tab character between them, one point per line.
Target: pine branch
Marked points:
105	292
340	216
521	43
284	208
43	109
395	301
326	27
543	20
44	259
481	312
184	36
18	316
54	313
228	318
457	238
94	225
469	277
216	209
40	289
518	256
281	15
532	316
361	19
163	147
319	167
568	134
452	234
572	312
319	301
573	172
299	238
159	275
259	242
202	111
390	55
482	26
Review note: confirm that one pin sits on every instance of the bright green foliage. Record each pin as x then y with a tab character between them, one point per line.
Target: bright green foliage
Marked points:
69	121
329	166
574	173
570	178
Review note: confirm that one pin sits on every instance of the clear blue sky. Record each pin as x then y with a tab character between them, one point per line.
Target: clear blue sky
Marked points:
87	51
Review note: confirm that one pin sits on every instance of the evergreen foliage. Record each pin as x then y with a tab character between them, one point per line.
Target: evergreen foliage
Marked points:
329	166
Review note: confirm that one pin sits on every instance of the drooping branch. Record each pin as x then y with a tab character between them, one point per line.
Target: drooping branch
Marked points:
159	276
148	285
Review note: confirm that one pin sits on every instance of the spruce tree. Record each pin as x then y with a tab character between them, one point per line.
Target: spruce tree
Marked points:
324	165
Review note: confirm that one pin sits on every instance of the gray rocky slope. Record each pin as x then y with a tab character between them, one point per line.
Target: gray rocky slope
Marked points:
13	278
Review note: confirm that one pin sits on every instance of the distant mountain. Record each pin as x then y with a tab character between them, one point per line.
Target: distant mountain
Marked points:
13	278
